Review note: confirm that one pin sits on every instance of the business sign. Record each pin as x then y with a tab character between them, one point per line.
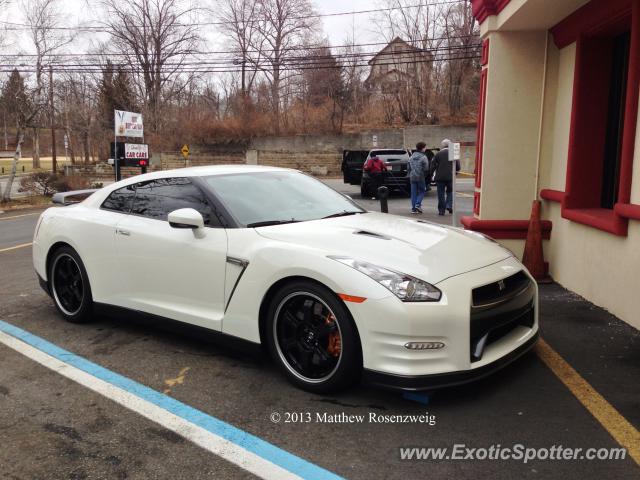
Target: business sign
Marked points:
136	151
128	124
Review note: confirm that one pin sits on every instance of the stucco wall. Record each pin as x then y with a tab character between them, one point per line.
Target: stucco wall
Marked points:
600	266
595	264
557	117
512	122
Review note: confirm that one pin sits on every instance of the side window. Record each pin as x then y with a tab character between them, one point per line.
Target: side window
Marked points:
120	200
156	198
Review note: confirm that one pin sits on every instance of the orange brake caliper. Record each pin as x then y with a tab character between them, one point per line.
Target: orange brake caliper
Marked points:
334	346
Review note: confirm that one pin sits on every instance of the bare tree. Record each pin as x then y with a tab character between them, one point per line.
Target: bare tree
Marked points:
353	74
79	106
154	37
464	45
26	112
284	25
43	17
416	63
240	25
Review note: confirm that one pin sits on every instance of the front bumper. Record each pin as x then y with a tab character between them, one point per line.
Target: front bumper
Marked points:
441	380
386	325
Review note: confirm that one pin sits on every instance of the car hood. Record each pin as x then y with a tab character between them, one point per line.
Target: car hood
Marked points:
422	249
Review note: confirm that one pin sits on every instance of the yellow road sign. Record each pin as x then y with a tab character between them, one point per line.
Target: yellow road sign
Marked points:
185	150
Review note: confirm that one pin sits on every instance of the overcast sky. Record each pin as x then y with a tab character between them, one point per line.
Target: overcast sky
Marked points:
336	28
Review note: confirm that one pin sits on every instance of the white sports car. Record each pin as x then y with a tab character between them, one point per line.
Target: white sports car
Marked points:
276	258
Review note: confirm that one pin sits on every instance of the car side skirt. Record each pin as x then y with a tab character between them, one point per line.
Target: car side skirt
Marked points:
219	339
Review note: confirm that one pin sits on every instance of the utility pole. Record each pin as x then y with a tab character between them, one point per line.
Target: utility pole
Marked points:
54	162
6	137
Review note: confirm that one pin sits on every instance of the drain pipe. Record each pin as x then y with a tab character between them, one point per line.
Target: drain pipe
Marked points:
540	126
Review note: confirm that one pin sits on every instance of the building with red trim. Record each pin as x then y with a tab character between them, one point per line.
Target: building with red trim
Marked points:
558	121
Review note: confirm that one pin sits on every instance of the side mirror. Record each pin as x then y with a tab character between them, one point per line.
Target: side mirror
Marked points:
187	218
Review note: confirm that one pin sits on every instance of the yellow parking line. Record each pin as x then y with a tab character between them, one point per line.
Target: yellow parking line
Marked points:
464	195
19	216
15	247
618	427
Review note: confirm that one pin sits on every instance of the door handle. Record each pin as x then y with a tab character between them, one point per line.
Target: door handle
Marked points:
119	231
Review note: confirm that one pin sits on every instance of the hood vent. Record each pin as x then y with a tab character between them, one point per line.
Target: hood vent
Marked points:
372	234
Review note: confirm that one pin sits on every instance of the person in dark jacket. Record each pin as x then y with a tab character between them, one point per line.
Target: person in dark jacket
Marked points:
444	178
417	170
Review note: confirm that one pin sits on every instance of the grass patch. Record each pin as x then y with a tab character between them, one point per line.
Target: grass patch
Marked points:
26	202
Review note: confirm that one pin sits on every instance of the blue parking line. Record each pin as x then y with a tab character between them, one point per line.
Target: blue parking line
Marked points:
266	450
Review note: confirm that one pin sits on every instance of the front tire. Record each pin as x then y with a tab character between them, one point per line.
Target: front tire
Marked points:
313	339
69	285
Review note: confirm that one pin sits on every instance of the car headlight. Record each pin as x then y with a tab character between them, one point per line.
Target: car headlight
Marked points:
403	286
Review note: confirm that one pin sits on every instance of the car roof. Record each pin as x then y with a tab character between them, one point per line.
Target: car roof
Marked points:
389	151
203	171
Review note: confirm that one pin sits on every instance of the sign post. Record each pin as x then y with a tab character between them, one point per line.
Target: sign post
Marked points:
126	124
454	157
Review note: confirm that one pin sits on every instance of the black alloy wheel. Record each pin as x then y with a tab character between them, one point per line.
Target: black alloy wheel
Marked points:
70	285
313	338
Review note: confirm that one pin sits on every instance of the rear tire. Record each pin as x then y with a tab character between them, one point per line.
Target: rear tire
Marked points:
312	338
69	284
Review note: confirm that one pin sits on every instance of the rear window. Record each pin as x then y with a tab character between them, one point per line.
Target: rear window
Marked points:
387	153
120	200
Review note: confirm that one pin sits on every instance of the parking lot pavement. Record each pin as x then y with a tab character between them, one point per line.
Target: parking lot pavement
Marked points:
54	428
399	203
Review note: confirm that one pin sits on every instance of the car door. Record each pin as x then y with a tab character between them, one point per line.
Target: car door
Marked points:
99	244
168	271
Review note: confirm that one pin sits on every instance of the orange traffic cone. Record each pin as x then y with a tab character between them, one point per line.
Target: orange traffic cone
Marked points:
533	257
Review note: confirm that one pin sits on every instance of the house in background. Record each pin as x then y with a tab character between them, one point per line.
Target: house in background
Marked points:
558	121
397	66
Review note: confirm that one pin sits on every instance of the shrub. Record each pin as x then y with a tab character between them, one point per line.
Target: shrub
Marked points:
47	183
39	183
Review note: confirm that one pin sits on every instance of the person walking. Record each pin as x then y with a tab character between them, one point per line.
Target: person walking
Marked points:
444	178
417	170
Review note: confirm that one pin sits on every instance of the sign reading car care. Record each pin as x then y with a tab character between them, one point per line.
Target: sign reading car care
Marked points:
128	124
136	151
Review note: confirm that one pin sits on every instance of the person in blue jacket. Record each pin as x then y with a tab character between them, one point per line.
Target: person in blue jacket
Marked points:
417	170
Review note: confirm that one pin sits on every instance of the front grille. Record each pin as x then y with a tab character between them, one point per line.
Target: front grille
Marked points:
497	311
492	293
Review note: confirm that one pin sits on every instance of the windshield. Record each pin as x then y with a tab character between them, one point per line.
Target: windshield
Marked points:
278	197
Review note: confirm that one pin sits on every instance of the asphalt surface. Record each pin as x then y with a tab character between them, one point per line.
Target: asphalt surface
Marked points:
399	203
53	428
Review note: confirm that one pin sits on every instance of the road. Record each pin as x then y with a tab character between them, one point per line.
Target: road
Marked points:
52	427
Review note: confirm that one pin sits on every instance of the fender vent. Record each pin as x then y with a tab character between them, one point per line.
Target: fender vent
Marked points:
371	234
